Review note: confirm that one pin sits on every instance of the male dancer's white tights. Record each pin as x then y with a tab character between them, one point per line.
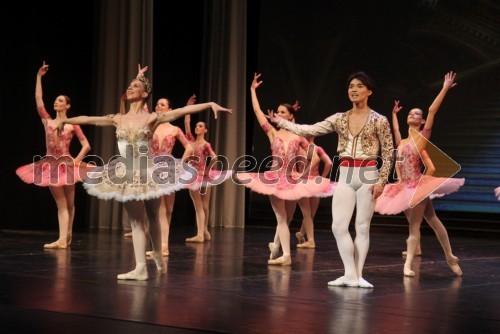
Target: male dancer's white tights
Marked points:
354	190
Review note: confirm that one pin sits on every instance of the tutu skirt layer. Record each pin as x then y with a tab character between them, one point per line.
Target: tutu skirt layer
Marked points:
287	187
114	181
398	197
53	172
497	193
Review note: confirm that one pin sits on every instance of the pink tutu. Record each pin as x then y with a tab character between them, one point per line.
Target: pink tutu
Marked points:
291	187
53	172
214	177
398	197
497	193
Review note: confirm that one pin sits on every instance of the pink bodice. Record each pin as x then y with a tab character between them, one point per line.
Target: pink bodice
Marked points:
57	144
201	152
409	164
282	156
166	144
166	147
410	168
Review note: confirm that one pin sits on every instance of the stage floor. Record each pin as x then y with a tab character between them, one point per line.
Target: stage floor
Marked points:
226	286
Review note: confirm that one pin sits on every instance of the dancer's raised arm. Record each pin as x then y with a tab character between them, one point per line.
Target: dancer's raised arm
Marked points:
395	123
448	83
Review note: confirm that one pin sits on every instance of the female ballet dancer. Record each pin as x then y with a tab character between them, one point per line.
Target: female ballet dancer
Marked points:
57	170
200	189
164	139
135	177
414	191
282	183
308	205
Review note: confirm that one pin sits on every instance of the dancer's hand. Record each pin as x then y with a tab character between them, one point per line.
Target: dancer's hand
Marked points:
396	108
141	71
191	100
271	116
449	80
43	70
377	191
216	108
256	83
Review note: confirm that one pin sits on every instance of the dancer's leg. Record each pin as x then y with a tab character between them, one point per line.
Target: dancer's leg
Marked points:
414	216
343	203
365	206
152	212
205	198
166	209
442	235
200	216
274	247
62	218
307	223
279	208
69	192
137	217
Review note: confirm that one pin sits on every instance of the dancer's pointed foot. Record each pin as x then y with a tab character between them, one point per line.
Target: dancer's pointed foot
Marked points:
307	244
69	238
158	259
275	249
207	236
56	245
364	283
195	239
300	237
127	235
343	281
138	274
407	270
453	263
284	260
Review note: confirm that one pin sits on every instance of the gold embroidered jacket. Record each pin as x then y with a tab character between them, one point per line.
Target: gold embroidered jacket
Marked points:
376	137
